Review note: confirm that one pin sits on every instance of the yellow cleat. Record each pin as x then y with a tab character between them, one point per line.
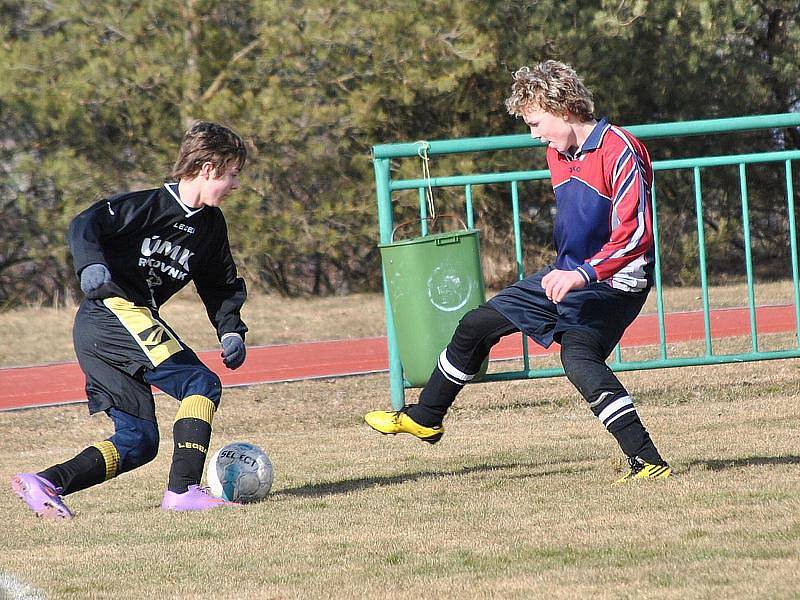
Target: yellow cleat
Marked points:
392	422
641	469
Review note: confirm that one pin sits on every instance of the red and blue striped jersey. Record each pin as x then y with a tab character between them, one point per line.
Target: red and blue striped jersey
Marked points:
604	221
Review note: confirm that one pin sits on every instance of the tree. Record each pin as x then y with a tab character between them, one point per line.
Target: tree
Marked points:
94	98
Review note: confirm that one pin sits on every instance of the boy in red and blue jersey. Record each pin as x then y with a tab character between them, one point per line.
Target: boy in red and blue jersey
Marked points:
602	178
603	228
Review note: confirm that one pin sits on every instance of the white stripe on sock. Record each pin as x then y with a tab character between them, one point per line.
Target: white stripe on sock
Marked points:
446	376
448	369
614	407
617	416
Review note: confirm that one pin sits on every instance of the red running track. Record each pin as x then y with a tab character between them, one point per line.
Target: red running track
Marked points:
46	385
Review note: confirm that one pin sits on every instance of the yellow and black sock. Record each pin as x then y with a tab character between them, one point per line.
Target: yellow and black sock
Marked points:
191	434
95	464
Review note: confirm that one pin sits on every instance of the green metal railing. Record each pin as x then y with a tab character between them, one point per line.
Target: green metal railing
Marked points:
385	186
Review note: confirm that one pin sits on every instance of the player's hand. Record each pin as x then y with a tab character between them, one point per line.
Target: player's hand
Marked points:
233	350
93	277
558	283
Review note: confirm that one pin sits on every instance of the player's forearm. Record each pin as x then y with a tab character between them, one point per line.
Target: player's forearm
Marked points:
629	240
224	304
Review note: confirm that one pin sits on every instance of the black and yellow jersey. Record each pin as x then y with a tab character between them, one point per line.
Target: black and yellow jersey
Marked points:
153	245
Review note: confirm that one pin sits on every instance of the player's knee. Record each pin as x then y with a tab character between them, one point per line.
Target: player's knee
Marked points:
571	353
471	324
139	456
204	382
580	359
579	347
149	444
584	365
477	325
476	333
137	445
201	395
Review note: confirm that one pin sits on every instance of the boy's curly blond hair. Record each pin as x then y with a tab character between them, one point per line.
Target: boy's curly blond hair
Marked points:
553	87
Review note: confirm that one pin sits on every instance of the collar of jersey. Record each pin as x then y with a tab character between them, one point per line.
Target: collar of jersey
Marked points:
592	142
174	193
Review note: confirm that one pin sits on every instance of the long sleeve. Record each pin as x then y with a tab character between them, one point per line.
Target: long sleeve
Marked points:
86	233
631	217
223	293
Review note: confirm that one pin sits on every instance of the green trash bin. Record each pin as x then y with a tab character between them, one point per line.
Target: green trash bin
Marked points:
432	282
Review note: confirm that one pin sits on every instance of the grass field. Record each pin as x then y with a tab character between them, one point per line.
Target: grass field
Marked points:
516	500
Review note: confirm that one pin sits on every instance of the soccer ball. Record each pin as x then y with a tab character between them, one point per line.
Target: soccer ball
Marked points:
239	472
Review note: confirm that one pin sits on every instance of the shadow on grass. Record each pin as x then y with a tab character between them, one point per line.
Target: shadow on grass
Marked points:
751	461
362	483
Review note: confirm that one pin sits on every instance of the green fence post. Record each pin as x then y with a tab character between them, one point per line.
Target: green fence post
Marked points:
386	223
423	213
662	334
520	267
748	256
701	247
468	209
793	245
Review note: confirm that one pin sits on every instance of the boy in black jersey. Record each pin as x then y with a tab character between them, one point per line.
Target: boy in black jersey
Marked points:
132	252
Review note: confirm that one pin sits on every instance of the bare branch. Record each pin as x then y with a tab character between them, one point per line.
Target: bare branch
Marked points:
223	74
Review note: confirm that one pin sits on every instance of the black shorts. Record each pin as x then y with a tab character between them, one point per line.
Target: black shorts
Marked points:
117	343
597	309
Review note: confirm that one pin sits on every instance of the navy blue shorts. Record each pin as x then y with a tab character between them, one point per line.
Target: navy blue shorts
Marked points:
597	309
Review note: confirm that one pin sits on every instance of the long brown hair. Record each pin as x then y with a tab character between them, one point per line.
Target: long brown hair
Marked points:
209	142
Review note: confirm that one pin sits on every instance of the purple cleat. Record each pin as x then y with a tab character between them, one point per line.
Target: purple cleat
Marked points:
195	498
41	496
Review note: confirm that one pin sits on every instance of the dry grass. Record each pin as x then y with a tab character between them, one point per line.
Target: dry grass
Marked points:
515	502
722	296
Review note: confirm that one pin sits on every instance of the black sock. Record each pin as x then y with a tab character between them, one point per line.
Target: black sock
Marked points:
191	438
634	440
191	433
434	400
84	470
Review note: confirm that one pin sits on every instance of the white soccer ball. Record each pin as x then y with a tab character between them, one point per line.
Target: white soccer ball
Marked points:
239	472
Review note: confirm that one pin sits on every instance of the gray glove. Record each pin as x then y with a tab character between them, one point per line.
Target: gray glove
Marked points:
233	350
93	277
